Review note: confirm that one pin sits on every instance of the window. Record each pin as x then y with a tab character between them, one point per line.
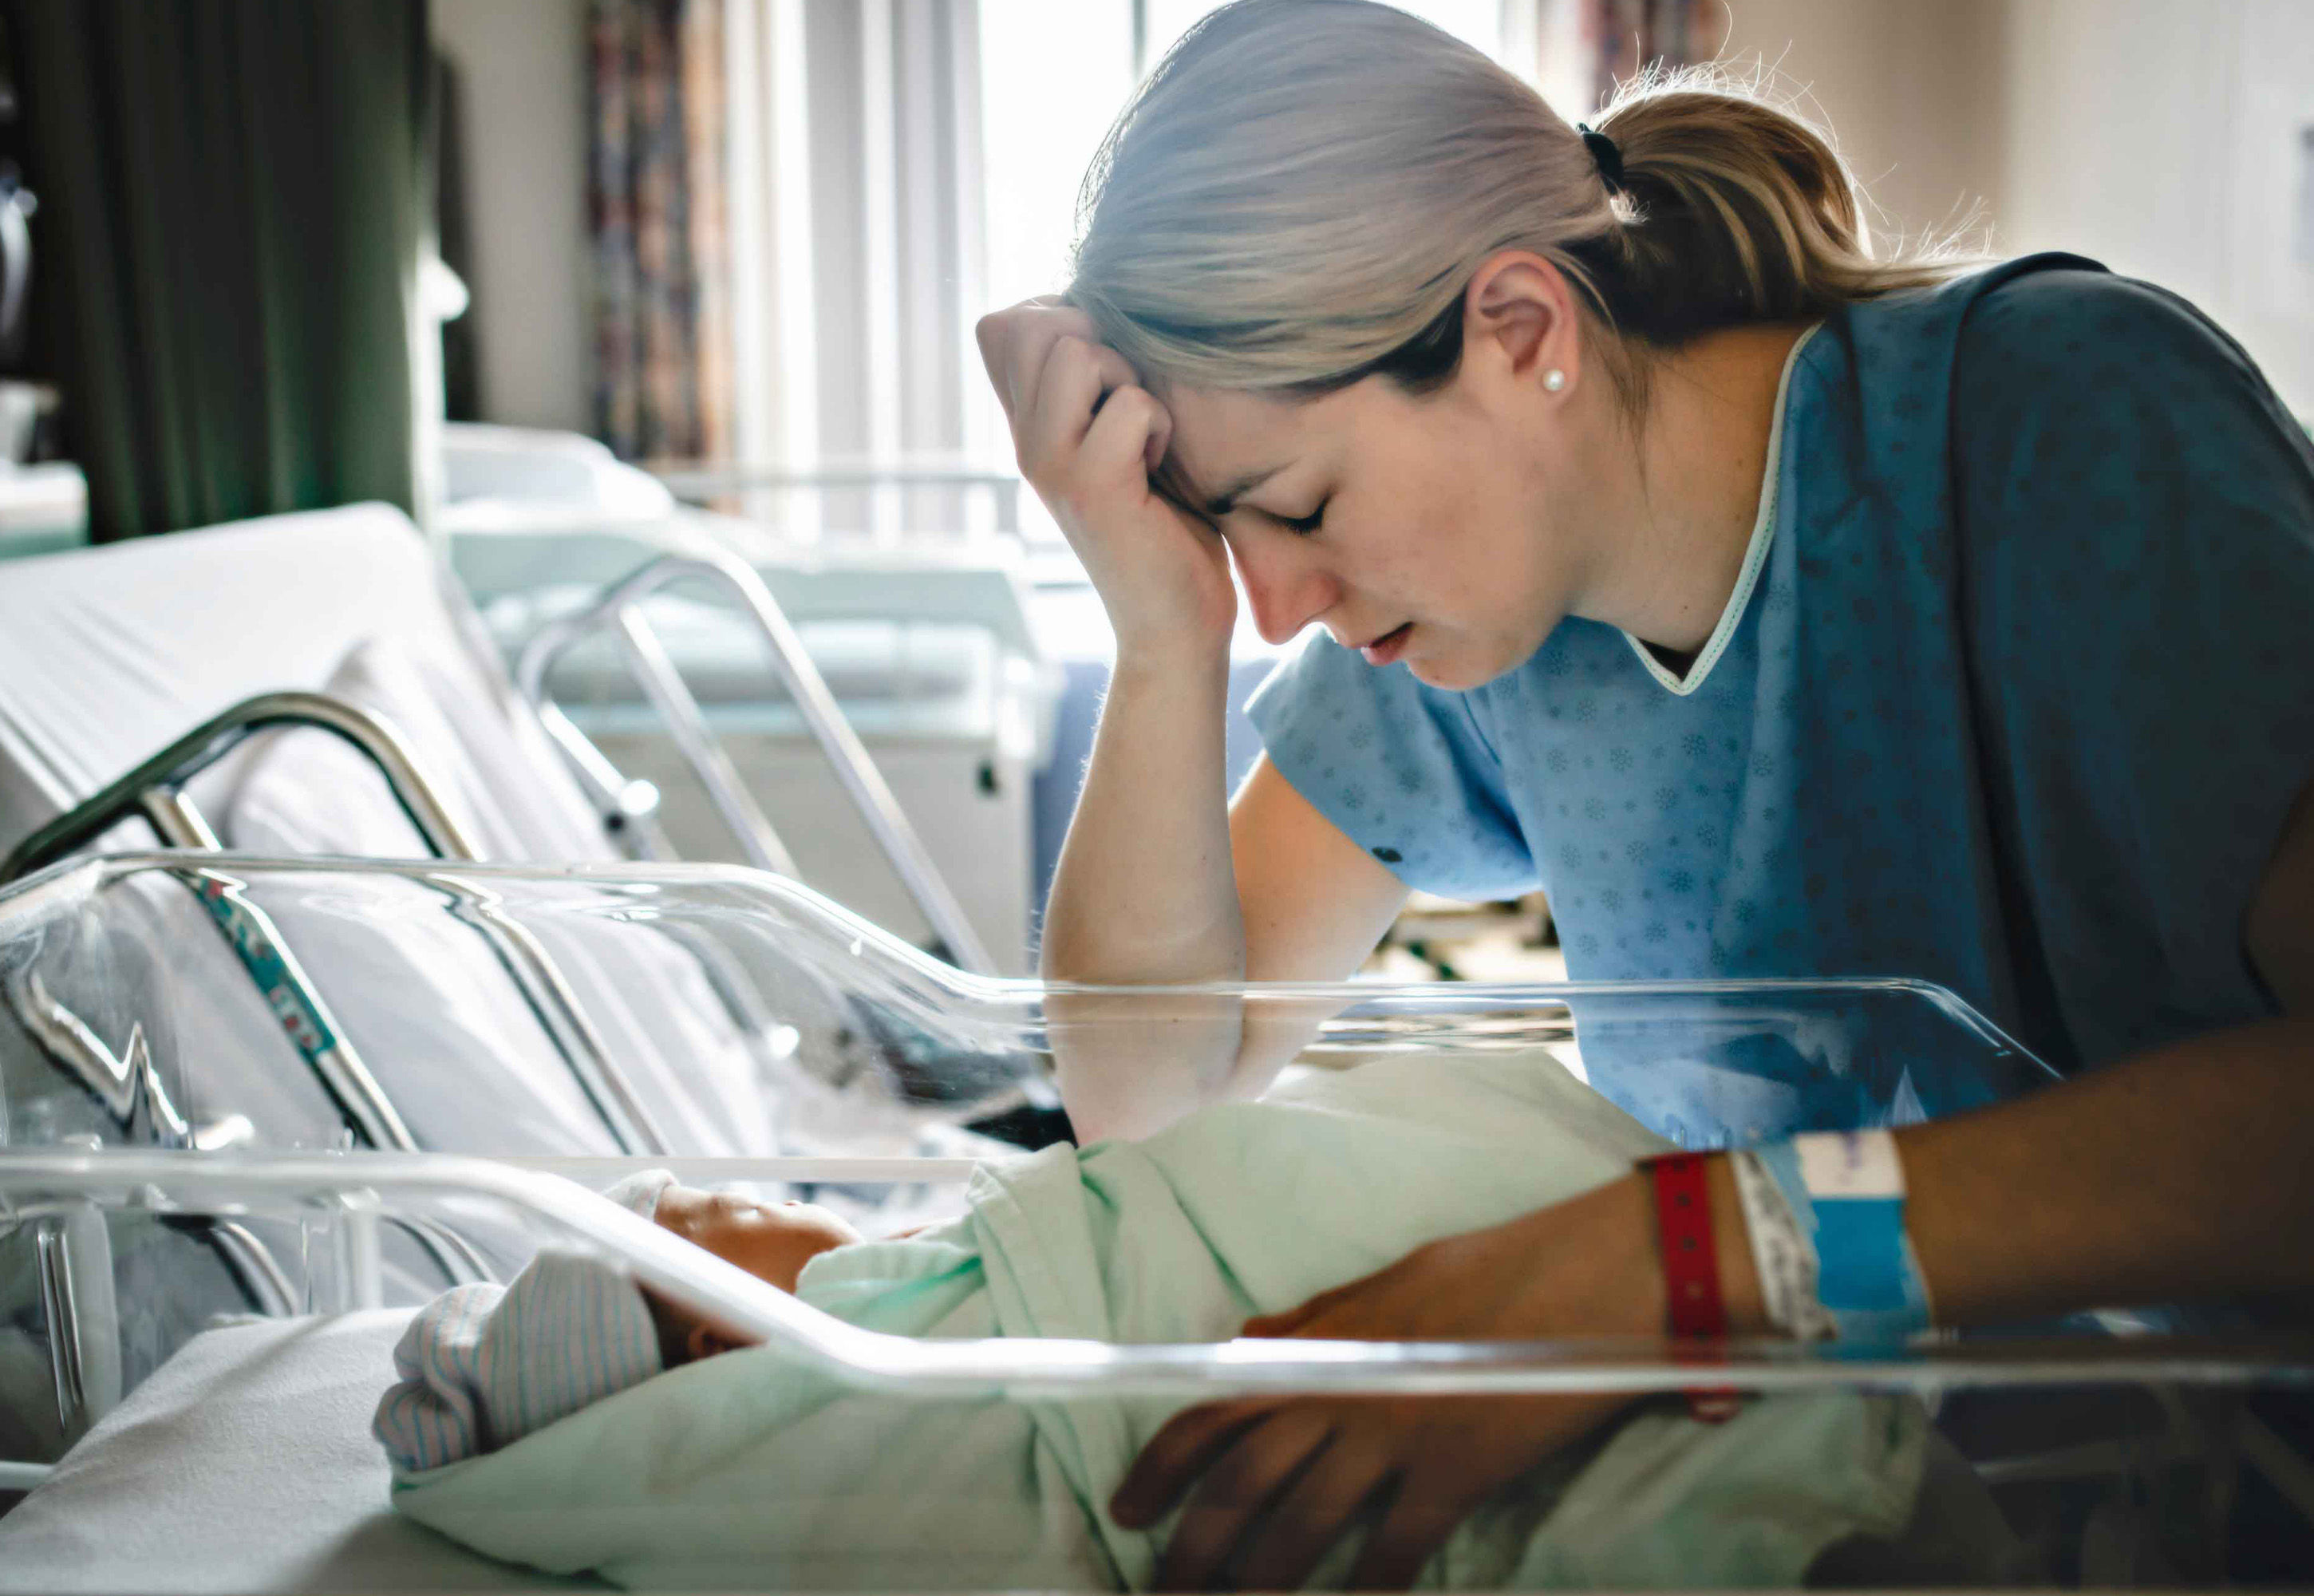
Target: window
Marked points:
897	167
1054	76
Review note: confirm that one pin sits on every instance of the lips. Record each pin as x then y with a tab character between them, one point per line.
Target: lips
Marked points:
1388	647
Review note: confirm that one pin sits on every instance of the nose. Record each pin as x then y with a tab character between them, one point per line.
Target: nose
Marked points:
1283	583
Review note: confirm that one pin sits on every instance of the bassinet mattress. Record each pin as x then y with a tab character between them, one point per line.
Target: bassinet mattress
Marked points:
244	1464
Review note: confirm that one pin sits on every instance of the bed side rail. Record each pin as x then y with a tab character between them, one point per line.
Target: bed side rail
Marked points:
155	789
34	1184
619	609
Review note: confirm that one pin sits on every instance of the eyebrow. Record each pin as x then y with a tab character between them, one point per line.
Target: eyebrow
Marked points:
1226	500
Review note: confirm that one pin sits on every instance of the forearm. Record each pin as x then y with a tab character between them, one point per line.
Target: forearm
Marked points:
2177	1175
1145	892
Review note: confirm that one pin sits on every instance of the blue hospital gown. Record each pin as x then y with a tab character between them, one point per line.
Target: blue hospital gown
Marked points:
2019	702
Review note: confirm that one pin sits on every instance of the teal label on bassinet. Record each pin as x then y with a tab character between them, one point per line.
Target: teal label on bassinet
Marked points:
283	991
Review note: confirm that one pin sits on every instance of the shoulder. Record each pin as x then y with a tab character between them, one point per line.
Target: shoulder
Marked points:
2069	382
2082	327
2124	473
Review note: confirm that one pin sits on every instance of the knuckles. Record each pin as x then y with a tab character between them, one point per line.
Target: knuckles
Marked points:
995	333
1137	402
999	332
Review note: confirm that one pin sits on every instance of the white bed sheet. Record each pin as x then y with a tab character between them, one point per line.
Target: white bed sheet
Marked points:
244	1464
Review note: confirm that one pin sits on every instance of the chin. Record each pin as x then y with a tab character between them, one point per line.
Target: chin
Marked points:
1453	674
1444	678
1482	658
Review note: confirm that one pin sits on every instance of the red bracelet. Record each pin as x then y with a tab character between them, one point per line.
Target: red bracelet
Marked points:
1698	1309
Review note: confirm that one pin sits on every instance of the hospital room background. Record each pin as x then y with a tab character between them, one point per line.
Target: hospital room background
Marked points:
585	393
715	267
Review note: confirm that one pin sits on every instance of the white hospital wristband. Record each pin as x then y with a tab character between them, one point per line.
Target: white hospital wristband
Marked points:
1782	1254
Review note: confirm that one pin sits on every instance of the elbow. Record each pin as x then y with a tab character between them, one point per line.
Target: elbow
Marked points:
1129	956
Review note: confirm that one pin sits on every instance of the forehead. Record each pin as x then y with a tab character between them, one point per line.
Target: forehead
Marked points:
1220	435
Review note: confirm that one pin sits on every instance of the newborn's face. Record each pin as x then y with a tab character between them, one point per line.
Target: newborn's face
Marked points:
772	1241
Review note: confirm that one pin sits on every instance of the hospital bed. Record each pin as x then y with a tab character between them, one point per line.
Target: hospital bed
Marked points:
921	651
365	666
924	638
508	1037
107	655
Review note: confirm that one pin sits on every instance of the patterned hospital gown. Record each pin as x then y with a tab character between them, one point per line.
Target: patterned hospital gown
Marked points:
2019	702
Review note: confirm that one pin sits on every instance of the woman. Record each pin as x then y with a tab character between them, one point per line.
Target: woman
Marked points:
1778	608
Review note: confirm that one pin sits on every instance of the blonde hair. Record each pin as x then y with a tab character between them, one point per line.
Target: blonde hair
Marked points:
1299	195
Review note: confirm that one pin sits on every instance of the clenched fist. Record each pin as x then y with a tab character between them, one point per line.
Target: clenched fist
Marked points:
1091	439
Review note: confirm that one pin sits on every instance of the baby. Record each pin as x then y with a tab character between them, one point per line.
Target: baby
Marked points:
482	1366
573	1424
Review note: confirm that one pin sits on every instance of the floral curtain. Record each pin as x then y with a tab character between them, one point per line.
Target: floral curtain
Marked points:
663	383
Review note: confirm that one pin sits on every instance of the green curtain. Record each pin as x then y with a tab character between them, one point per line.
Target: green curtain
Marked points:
234	203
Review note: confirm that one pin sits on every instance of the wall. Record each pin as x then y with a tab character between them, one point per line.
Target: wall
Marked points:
2154	134
1914	92
2163	137
522	65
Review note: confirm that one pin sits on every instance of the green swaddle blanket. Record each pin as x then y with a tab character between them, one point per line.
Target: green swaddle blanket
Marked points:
747	1471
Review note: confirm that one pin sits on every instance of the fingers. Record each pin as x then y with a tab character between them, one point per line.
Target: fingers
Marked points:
1271	1326
1322	1504
1175	1456
1014	343
1412	1529
1057	381
1159	440
1309	1317
1068	395
1264	1462
1117	444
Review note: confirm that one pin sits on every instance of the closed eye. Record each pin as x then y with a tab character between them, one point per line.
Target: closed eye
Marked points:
1305	526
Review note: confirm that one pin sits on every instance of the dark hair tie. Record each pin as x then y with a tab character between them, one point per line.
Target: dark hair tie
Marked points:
1606	154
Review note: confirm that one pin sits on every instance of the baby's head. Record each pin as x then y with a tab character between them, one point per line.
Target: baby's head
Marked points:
772	1241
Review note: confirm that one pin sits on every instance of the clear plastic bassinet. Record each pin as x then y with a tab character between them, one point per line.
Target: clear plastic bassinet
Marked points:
234	1086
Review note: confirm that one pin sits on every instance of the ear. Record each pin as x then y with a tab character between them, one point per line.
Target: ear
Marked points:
705	1341
1519	320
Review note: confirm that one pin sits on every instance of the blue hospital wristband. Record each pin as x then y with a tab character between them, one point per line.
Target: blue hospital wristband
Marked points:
1847	1191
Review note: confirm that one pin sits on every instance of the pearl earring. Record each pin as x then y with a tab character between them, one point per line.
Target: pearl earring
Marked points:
1554	379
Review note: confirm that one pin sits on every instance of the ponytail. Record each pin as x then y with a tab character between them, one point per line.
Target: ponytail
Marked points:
1299	195
1731	210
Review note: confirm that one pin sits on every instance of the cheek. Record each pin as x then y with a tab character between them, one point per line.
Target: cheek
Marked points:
1437	532
1459	550
1413	533
1478	489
